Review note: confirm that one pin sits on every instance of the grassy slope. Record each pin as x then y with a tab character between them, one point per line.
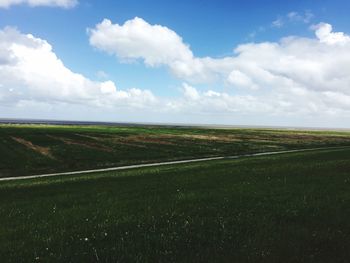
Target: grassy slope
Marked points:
287	208
68	148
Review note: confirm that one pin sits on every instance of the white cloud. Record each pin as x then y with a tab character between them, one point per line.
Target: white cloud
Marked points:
190	92
293	62
217	103
108	87
33	3
281	106
155	44
325	34
239	79
294	75
292	78
31	71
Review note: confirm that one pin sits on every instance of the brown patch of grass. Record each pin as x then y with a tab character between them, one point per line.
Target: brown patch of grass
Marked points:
223	138
148	139
39	149
114	140
164	139
95	138
120	142
90	145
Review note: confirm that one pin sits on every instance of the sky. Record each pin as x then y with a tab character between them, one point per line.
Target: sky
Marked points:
256	62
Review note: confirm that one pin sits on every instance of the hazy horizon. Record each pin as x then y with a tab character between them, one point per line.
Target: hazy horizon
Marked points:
126	123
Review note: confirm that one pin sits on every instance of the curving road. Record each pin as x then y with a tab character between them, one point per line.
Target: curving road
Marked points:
167	163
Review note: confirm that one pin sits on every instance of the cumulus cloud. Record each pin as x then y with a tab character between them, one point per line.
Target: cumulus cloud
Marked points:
296	74
290	63
155	44
31	71
239	79
292	77
325	34
33	3
190	92
213	102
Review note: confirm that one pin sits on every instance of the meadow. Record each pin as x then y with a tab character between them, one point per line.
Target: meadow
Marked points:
283	208
39	149
291	207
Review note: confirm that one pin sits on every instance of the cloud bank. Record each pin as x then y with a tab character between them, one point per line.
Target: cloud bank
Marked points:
306	75
289	79
319	63
31	71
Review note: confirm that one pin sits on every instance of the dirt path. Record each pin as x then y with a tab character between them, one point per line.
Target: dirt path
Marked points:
168	163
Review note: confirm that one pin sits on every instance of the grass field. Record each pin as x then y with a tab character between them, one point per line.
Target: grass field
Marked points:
37	149
285	208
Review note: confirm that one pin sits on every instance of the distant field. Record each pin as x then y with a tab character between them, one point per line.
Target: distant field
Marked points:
36	149
285	208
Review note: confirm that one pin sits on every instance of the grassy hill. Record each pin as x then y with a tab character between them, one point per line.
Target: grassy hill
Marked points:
285	208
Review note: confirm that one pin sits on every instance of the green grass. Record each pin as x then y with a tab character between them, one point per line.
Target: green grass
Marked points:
37	149
285	208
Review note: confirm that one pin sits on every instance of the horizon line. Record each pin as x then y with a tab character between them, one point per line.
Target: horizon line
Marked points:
169	124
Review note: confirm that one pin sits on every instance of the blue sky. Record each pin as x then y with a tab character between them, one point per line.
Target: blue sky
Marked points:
209	29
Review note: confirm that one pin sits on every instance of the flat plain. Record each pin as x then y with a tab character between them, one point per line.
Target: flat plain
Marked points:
39	149
284	208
